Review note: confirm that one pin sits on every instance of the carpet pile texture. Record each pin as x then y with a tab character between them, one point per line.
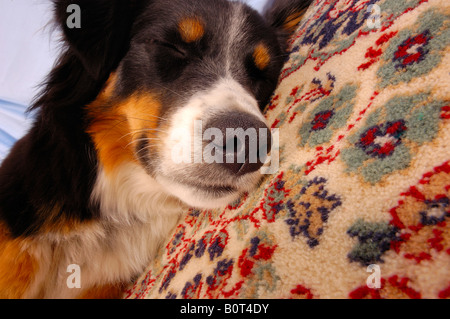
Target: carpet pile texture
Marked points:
360	204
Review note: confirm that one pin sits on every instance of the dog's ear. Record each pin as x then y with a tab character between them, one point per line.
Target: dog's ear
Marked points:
97	31
285	16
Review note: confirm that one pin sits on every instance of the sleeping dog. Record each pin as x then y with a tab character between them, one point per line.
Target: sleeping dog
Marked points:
97	181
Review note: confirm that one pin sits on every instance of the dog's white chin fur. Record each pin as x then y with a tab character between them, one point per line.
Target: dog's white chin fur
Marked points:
225	94
198	198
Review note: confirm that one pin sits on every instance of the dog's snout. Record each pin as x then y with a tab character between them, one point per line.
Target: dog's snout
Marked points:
244	144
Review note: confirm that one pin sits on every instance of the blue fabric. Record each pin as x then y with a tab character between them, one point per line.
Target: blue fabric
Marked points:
14	123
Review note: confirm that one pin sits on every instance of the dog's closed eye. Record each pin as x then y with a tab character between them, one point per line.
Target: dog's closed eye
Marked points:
152	104
174	49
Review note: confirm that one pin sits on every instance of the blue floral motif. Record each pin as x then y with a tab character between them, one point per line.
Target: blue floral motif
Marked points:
348	15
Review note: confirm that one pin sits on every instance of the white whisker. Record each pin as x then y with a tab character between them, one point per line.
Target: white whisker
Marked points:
143	131
142	139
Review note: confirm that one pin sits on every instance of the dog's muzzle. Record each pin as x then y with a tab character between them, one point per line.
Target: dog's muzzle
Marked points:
241	143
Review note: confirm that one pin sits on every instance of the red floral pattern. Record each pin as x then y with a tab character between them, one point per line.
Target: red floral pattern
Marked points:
364	171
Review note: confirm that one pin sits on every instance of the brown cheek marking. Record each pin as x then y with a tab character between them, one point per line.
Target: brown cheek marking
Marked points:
109	133
17	267
261	56
291	23
116	125
110	85
191	29
142	112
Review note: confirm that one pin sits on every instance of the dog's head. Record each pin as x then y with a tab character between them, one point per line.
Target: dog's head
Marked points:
185	82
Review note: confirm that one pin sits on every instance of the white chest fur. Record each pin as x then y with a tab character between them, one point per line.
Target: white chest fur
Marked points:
136	217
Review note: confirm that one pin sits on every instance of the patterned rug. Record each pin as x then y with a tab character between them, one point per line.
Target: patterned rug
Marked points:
360	207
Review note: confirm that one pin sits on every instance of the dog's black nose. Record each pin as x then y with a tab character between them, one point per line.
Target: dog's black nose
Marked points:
244	144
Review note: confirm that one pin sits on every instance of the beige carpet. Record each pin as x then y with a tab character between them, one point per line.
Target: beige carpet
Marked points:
360	206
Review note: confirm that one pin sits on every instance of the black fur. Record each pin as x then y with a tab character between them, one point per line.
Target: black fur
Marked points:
278	12
54	166
50	173
104	35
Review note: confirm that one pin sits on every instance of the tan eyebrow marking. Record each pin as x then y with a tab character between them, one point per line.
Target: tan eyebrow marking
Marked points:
261	56
191	29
